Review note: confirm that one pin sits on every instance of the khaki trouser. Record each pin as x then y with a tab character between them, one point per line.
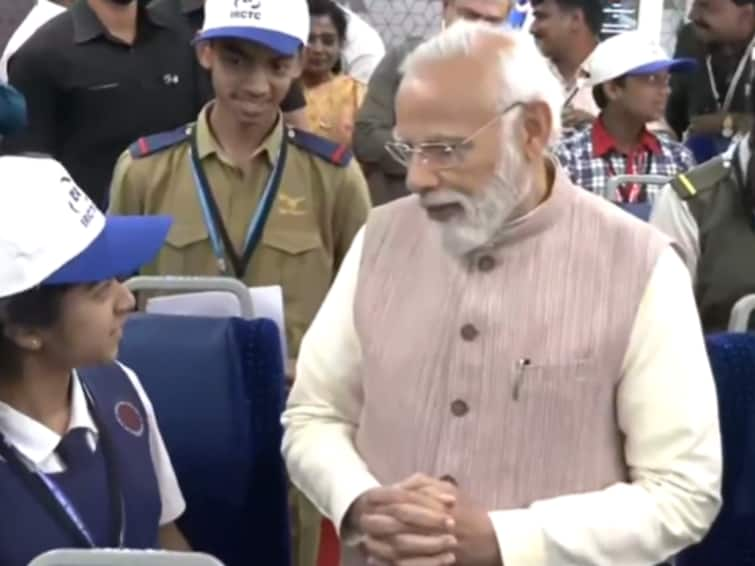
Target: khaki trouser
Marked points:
305	529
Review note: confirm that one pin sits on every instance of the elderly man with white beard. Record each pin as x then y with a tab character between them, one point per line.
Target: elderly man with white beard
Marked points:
508	370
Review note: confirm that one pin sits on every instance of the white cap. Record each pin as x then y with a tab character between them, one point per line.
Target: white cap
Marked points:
52	233
281	25
630	53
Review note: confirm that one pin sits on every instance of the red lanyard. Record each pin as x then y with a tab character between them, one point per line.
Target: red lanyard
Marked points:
631	192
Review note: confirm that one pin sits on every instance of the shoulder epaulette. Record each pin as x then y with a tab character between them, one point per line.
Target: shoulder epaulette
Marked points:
149	145
337	154
702	178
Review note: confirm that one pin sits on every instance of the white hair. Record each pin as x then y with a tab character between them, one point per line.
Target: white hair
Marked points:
525	75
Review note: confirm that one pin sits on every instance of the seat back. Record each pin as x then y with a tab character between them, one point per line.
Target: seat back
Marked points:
706	147
741	319
731	540
641	210
123	558
217	388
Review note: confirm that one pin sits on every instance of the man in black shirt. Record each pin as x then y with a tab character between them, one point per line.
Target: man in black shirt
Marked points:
192	13
713	100
99	76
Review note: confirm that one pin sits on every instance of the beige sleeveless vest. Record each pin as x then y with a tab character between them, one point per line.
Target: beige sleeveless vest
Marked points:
500	373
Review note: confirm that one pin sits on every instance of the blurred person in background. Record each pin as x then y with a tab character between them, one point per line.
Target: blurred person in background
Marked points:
363	48
41	13
377	117
709	213
711	104
98	76
333	98
629	74
567	32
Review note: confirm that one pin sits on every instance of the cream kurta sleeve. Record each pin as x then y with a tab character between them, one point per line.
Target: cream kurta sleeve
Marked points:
326	401
667	409
666	405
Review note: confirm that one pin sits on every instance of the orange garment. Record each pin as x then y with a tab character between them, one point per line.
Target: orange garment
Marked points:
332	107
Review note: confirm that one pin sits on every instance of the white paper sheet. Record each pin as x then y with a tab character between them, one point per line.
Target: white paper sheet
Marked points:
267	302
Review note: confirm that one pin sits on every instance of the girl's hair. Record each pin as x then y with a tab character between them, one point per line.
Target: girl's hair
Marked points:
39	307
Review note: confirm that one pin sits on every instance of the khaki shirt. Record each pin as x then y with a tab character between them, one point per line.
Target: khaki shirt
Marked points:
318	210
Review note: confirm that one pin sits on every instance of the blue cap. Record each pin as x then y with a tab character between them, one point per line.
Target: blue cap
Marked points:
124	245
670	65
281	25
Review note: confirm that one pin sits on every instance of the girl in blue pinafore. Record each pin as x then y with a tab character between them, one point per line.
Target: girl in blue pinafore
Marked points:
82	462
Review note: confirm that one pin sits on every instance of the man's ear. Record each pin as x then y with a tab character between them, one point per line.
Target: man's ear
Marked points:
205	54
537	125
575	17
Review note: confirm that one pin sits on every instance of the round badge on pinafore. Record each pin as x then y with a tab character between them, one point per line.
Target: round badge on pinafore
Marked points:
129	418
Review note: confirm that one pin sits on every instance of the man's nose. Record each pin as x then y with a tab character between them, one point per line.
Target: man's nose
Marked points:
419	177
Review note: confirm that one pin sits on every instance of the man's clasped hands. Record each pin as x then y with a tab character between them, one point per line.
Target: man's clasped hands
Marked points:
422	521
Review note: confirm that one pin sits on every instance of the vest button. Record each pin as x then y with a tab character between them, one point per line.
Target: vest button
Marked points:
469	332
486	263
449	479
459	408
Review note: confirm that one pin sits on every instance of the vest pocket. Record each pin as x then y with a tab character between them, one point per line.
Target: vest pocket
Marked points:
565	381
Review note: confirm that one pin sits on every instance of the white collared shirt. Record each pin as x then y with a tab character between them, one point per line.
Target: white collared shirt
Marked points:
38	443
42	12
363	49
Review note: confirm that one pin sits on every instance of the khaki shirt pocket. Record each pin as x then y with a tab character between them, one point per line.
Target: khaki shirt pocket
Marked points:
187	251
299	262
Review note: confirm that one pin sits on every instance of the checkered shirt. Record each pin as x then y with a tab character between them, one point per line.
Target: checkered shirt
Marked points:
589	171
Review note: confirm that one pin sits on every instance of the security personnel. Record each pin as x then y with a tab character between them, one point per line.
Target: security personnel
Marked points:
251	198
82	461
710	105
710	213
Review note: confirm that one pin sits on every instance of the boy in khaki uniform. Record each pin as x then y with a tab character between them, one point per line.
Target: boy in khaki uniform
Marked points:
250	197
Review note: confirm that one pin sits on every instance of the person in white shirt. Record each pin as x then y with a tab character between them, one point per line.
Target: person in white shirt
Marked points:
363	49
484	385
82	460
42	12
567	32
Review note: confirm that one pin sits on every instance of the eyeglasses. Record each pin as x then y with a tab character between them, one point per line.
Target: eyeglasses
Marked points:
440	155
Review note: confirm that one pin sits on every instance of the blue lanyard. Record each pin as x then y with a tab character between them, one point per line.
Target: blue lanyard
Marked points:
62	508
222	246
65	504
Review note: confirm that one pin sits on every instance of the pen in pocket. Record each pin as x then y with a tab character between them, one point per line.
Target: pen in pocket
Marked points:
521	369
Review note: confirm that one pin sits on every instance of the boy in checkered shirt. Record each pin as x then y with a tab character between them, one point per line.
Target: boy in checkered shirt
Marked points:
629	74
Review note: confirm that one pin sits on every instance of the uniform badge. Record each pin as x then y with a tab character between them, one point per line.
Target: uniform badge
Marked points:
129	418
290	206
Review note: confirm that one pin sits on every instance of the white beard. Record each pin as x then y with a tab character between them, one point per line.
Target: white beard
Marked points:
486	213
